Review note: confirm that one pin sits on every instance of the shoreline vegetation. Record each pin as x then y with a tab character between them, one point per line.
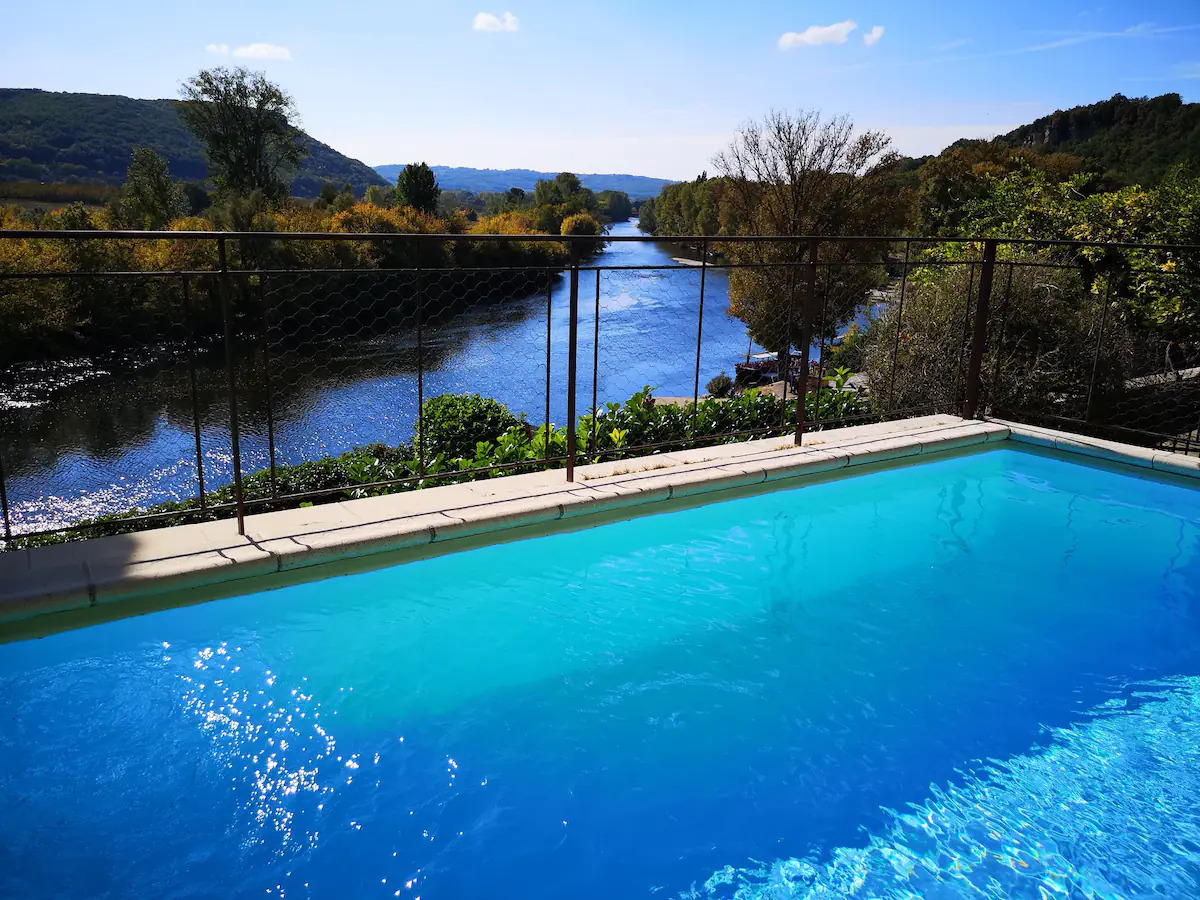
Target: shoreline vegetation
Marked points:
467	437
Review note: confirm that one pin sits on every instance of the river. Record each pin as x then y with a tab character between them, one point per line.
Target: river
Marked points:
81	438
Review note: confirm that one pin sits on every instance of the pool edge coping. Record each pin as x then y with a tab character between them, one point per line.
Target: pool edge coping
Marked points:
306	544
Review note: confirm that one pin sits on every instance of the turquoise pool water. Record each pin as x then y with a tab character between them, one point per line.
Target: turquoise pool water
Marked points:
975	677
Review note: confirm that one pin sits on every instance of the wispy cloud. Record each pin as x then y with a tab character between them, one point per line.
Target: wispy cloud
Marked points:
813	35
1070	39
952	45
250	51
1188	70
871	38
1066	39
262	51
486	21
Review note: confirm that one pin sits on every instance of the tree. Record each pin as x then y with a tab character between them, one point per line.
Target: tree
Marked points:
417	187
343	201
564	188
515	199
197	198
950	184
803	174
797	175
615	205
647	219
583	224
150	199
328	192
247	127
378	195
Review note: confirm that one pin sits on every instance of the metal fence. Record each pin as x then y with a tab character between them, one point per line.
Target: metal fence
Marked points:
215	370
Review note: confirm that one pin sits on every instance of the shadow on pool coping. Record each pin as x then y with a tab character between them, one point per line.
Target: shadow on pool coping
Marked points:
63	586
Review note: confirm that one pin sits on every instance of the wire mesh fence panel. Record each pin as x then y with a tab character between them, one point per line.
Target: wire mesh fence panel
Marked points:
645	339
128	365
501	334
1051	320
337	365
854	289
916	359
1077	348
1147	370
105	421
766	368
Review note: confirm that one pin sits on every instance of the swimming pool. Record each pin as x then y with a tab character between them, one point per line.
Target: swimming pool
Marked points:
978	675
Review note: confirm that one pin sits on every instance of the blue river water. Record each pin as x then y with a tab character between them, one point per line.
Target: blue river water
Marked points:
974	677
82	437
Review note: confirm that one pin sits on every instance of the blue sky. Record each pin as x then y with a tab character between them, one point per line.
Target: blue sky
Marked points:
644	86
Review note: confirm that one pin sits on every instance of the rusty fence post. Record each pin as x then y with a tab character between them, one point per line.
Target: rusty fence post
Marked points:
970	408
1089	409
420	311
234	438
594	446
572	347
699	337
193	343
4	505
810	296
266	321
891	394
549	339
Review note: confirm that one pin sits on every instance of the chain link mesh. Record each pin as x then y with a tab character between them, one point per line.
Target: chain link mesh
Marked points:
330	352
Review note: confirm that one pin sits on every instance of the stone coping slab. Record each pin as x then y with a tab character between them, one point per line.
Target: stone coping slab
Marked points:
212	556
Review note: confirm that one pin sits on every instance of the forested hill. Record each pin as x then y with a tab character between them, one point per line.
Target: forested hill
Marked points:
477	181
1134	141
48	136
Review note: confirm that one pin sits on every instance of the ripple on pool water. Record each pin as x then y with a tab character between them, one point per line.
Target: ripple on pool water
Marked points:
1109	809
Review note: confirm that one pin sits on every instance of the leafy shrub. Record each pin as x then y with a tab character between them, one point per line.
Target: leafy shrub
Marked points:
621	429
720	386
470	433
453	424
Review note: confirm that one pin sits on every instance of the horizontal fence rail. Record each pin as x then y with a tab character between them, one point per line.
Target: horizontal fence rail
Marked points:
157	377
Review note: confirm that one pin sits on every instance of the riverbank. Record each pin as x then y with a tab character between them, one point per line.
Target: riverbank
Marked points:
639	425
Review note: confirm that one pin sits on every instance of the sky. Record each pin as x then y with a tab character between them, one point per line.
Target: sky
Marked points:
649	87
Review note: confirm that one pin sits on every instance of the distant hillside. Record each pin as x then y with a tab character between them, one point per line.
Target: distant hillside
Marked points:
89	137
1134	141
453	178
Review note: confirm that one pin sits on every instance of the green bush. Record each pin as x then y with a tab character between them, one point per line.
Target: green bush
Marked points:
453	424
720	386
640	421
470	433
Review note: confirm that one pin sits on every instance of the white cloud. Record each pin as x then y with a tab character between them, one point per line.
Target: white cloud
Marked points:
817	34
262	51
486	21
871	38
961	42
217	49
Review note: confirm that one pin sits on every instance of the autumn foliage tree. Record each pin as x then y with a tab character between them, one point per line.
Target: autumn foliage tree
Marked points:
795	175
